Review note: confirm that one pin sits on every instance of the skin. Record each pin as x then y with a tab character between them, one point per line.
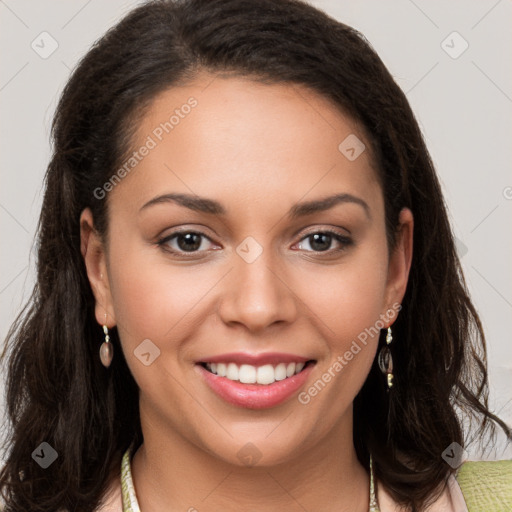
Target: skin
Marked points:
258	149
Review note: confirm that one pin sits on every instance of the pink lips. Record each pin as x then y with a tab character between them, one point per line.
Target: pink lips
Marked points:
255	396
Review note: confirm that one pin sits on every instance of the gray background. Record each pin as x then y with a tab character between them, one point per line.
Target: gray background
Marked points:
463	102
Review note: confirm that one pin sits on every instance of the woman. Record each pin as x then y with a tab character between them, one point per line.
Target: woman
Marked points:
229	313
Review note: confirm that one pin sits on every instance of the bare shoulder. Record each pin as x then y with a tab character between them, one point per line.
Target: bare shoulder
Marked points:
112	501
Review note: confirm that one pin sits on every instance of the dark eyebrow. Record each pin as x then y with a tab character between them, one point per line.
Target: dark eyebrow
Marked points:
204	205
320	205
196	203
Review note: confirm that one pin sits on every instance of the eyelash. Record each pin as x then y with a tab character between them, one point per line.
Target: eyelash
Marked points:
342	239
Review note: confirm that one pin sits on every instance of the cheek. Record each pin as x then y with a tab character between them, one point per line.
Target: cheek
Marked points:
160	303
153	299
349	297
349	308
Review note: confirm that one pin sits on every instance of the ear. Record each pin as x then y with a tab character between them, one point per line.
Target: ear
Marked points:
94	255
400	261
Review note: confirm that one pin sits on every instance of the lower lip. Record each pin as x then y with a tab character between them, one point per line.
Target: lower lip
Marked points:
255	396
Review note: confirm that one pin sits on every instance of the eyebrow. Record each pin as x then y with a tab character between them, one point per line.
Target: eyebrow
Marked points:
210	206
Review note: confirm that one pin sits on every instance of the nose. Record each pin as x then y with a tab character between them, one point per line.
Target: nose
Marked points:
256	293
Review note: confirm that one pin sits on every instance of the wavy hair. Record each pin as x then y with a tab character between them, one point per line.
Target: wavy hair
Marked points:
57	390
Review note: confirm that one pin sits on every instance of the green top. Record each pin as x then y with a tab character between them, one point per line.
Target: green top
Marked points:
486	485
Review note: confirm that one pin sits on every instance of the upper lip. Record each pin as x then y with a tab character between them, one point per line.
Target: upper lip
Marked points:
255	359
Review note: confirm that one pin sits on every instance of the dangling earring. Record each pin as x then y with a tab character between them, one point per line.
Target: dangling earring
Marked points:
106	349
386	360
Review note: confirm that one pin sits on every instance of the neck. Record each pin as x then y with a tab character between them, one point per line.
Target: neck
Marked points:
170	473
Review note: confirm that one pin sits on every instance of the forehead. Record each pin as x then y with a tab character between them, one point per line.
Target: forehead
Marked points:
264	142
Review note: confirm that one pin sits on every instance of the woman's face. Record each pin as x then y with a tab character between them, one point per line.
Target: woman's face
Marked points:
247	276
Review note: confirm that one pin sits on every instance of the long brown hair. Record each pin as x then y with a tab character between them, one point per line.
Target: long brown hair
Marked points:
57	390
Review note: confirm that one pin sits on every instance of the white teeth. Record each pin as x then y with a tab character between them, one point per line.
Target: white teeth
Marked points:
232	371
249	374
221	369
280	371
265	374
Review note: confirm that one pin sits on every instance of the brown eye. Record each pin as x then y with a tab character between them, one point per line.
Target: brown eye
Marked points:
321	241
185	242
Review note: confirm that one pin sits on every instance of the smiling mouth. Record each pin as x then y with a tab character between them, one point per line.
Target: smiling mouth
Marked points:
265	374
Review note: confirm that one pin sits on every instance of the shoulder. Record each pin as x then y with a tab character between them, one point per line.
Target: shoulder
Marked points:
477	487
112	500
486	485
